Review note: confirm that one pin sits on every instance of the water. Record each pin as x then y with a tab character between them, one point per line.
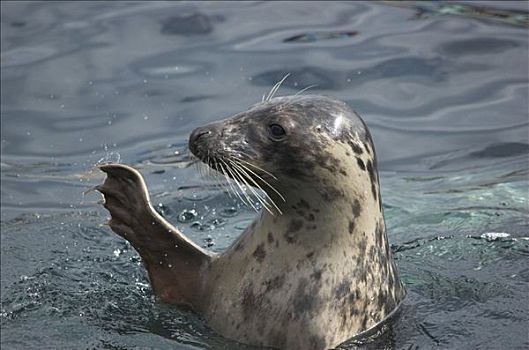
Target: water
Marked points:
443	88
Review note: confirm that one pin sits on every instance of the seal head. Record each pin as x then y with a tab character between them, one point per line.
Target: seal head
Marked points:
292	138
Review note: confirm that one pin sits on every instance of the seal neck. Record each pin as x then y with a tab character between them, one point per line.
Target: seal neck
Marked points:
320	221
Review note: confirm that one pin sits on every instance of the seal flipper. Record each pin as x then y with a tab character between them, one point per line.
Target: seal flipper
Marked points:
175	264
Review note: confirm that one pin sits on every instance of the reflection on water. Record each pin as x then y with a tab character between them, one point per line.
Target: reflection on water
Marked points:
443	88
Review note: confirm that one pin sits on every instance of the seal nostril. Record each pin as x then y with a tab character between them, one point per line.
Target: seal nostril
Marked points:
196	140
197	134
202	134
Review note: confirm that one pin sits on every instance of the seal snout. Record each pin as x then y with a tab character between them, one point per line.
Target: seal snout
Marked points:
197	140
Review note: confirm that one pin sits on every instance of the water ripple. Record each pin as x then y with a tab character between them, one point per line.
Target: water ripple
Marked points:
443	90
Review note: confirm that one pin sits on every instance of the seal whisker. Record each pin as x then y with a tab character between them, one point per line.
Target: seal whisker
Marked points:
211	164
248	200
276	87
218	180
203	169
193	161
196	164
234	184
215	172
197	168
305	89
262	200
246	177
237	178
242	179
229	182
255	166
260	178
208	171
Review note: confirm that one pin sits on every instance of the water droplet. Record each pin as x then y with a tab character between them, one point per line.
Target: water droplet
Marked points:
162	209
196	225
24	278
187	215
216	222
209	241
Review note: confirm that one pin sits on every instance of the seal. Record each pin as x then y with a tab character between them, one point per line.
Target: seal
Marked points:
314	269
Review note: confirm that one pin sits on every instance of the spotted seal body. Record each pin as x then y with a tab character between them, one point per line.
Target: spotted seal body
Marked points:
312	272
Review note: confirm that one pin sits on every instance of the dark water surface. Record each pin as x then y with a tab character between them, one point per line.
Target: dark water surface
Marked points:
443	89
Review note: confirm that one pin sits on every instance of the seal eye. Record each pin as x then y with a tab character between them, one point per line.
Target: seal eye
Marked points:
276	131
